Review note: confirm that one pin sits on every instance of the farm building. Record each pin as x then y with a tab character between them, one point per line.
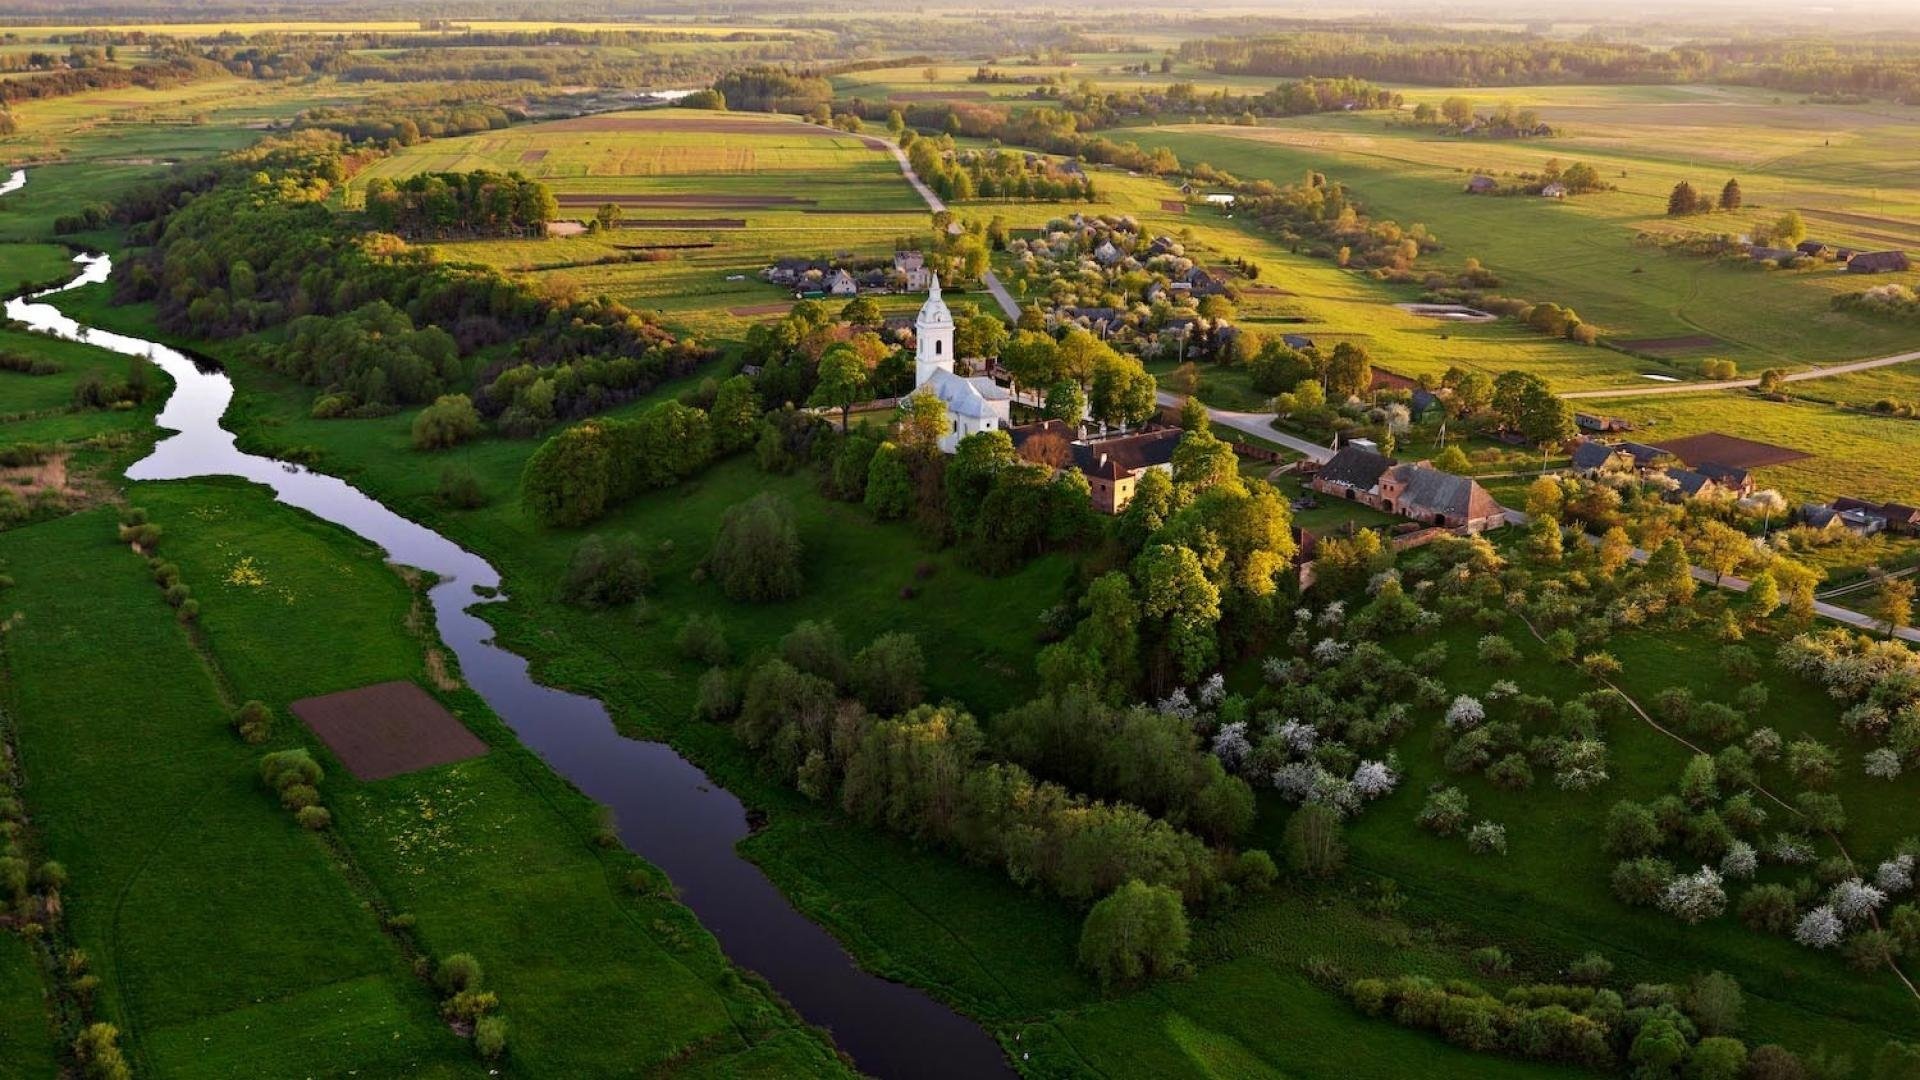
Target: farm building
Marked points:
1599	423
1879	262
910	270
1417	491
1555	190
1482	185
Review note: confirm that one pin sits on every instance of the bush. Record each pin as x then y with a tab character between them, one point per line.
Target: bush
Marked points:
757	555
314	818
605	572
490	1037
1490	960
447	422
1591	969
97	1049
1445	811
1714	1002
718	698
1314	844
703	639
253	722
887	674
460	489
1138	932
456	974
817	649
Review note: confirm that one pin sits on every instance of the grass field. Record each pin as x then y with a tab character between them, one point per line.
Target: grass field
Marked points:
1829	162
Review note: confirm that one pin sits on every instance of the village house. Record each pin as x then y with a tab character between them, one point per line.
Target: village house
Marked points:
1296	342
1593	456
1601	424
1482	185
1112	465
910	270
973	404
1771	254
1864	517
841	283
1417	491
1878	262
1813	249
1555	190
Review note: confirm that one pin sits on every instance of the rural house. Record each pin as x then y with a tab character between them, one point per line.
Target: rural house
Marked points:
1415	491
1113	465
1592	456
910	270
841	283
1879	262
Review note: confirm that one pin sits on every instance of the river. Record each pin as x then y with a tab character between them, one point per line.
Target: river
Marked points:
665	808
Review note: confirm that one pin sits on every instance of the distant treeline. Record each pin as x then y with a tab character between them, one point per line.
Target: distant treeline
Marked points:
159	75
1450	58
248	244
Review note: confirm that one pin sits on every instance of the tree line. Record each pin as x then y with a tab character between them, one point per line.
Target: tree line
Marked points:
478	203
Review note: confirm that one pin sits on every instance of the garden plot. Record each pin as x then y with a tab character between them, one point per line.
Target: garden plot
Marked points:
388	729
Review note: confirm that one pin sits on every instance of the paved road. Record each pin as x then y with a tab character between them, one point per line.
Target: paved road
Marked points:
1747	384
1821	608
1257	424
934	203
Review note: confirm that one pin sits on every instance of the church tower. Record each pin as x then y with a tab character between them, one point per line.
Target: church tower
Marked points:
932	336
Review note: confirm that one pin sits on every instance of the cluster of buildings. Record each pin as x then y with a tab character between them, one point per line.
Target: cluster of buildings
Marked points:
1862	517
1701	479
815	278
1856	262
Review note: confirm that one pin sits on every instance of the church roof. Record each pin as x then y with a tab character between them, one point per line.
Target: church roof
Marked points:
934	313
977	397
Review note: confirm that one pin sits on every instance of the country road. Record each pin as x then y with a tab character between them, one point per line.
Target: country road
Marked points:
935	204
1747	384
1256	424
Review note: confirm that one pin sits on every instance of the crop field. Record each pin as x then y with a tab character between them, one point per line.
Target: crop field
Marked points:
708	199
1582	252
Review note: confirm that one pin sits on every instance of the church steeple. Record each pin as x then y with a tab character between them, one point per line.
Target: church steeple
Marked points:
933	336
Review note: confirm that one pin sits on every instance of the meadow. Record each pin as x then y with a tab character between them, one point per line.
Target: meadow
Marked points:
1834	164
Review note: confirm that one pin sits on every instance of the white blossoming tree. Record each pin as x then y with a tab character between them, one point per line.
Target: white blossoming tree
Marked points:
1373	779
1213	691
1487	838
1465	713
1820	929
1740	861
1231	746
1854	899
1178	704
1329	651
1696	897
1299	736
1882	764
1895	876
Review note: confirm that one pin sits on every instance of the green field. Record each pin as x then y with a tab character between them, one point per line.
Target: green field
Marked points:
1582	252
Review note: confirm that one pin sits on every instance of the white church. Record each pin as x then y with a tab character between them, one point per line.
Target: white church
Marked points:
973	404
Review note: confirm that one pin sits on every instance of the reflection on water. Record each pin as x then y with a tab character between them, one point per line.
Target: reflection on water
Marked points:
666	809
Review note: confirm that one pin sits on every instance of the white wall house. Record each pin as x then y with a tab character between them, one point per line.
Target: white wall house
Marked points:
973	404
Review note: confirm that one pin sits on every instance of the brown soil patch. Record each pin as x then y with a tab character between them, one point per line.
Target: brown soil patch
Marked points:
1670	344
684	202
940	95
686	223
388	729
532	157
1909	228
1173	206
28	480
695	125
1729	450
747	311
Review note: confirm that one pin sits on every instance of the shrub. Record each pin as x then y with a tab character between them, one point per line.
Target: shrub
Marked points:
1487	838
457	973
1591	969
253	722
1445	811
284	768
887	674
1642	881
1717	1058
605	572
718	698
818	649
1138	932
449	421
703	639
490	1037
1774	1062
315	818
1714	1003
1314	844
757	555
1490	960
460	489
1496	649
97	1049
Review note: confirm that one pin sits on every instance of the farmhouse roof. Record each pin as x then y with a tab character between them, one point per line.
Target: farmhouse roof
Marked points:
1593	455
1690	483
1644	455
1873	262
1432	491
1112	459
1725	475
1296	341
1811	247
1355	467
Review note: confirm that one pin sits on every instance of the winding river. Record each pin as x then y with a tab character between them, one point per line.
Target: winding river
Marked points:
666	809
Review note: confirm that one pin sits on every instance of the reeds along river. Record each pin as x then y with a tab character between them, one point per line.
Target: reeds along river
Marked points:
667	811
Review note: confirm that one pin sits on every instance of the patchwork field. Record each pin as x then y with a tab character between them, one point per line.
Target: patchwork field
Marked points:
1829	162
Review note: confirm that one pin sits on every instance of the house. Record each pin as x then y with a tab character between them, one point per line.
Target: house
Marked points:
1154	291
1297	342
1189	188
1878	262
973	404
1592	456
1106	254
1644	456
1727	477
911	268
1555	190
1605	425
1219	198
841	283
1690	484
1813	249
1482	185
1416	491
1113	466
1852	517
1893	517
1203	283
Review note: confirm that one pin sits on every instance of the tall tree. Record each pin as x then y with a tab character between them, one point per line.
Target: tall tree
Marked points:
1683	200
843	382
1730	197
